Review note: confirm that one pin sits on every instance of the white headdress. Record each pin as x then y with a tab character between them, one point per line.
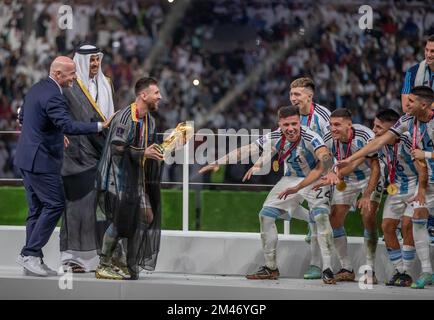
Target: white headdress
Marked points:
82	62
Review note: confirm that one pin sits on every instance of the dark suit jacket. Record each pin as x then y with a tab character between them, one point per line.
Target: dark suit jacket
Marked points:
45	119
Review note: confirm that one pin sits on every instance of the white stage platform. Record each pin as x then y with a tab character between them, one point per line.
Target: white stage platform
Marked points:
200	265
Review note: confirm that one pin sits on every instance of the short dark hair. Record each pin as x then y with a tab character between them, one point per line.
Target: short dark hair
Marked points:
430	38
144	83
388	115
287	111
304	82
341	113
423	92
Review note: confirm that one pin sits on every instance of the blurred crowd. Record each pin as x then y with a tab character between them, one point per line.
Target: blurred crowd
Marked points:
218	43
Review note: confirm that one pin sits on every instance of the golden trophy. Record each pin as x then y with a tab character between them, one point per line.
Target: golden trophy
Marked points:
179	136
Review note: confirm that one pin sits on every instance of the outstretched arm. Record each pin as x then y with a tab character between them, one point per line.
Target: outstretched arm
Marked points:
234	156
324	166
373	146
350	168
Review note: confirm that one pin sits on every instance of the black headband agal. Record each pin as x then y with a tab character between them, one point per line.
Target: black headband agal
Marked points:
92	50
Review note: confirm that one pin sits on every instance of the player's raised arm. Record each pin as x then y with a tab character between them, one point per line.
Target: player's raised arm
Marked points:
372	146
238	154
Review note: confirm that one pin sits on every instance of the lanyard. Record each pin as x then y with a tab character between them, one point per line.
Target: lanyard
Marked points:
143	130
415	127
281	158
347	153
309	118
391	163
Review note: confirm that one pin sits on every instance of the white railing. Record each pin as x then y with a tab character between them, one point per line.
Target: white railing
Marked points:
185	182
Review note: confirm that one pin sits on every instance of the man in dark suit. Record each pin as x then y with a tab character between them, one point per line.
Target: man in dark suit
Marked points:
45	119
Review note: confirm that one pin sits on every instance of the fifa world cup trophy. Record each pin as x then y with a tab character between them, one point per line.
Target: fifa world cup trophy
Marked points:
178	137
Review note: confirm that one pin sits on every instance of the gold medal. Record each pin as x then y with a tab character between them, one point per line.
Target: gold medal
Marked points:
392	189
275	165
341	186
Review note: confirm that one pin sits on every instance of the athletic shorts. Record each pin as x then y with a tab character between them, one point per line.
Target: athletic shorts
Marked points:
399	205
315	199
350	194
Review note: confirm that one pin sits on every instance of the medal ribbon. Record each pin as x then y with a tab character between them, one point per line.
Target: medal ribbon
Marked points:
415	127
347	153
309	119
391	163
281	158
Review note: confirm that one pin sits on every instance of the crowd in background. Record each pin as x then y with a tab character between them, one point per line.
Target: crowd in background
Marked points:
219	43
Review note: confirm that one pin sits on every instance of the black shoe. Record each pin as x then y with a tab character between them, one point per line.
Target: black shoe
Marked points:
345	275
264	273
328	277
394	278
404	280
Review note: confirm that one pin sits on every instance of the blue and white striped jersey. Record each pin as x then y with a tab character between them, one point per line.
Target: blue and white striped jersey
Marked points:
302	159
425	143
320	121
406	172
361	136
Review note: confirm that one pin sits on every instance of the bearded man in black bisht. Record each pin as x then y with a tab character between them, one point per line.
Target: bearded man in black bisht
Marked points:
128	185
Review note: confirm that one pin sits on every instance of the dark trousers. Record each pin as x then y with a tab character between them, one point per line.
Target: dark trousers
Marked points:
46	200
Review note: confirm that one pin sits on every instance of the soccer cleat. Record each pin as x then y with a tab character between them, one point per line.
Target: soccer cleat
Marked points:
328	277
122	271
313	272
345	275
120	268
370	278
105	272
404	280
264	273
424	279
394	279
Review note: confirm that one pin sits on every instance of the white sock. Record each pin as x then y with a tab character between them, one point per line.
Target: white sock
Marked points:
421	242
395	256
408	255
269	240
370	241
341	247
325	239
315	252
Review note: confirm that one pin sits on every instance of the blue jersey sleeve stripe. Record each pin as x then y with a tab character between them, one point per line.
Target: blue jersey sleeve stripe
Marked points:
406	84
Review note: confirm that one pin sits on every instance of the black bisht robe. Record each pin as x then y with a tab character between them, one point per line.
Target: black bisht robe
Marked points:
121	175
